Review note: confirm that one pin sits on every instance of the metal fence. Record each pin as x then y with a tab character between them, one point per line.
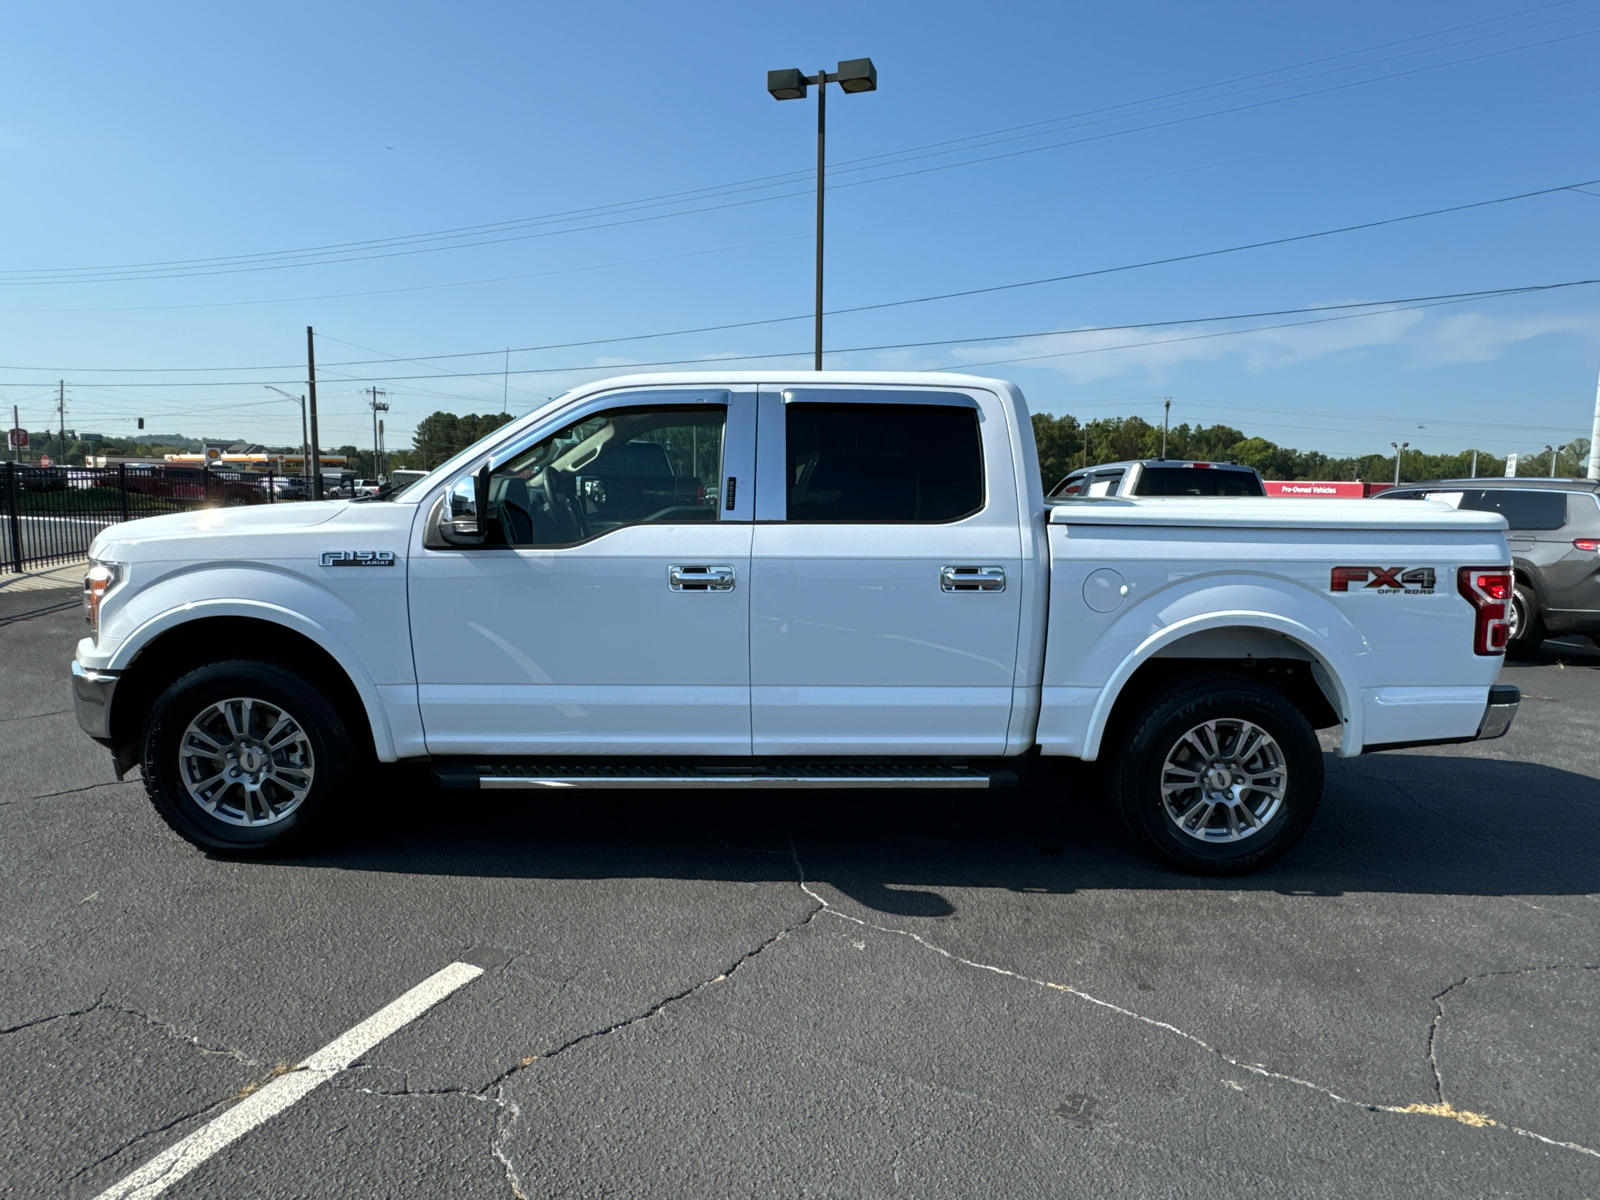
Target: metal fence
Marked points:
50	515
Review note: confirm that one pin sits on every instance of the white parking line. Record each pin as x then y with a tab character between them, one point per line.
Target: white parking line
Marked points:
173	1163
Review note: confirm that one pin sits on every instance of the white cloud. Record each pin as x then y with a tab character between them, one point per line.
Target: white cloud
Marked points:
1475	337
1430	340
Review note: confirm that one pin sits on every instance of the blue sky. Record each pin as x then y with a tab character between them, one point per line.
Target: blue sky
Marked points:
194	133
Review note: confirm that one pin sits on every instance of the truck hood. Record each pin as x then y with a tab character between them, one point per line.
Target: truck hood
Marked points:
255	532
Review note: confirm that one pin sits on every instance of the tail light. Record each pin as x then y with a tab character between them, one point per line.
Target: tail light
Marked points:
1592	545
1489	590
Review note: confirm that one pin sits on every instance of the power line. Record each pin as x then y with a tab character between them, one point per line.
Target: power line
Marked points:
1378	307
352	252
861	308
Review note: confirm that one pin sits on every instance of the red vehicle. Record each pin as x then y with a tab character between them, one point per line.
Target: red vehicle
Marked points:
196	485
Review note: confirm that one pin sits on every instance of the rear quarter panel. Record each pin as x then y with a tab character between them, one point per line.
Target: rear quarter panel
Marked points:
1401	663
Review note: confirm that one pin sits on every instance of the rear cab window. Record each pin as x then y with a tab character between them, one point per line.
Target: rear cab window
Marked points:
850	463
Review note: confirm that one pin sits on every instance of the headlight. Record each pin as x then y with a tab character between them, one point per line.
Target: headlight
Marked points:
102	577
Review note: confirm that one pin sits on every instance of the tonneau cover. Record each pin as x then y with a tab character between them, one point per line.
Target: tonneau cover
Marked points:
1272	513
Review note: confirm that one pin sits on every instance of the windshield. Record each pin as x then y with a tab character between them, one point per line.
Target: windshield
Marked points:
1198	481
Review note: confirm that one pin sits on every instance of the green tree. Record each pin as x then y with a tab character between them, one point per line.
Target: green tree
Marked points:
1060	443
441	435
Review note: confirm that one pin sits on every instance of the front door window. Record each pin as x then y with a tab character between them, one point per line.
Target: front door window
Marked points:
624	466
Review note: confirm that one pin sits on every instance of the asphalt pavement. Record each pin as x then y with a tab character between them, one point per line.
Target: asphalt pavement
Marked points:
804	994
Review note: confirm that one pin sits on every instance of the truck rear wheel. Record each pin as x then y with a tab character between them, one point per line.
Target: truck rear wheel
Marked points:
245	757
1218	776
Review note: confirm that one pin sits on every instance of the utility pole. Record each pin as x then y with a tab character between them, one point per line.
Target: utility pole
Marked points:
16	424
1166	416
377	407
316	448
61	403
383	449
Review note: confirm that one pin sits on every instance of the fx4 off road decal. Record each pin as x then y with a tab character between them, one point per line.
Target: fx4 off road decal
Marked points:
358	558
1386	581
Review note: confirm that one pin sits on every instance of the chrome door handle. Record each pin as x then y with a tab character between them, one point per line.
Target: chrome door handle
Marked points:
700	579
972	579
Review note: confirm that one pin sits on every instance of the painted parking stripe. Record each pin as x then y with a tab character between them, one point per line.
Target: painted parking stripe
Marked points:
173	1163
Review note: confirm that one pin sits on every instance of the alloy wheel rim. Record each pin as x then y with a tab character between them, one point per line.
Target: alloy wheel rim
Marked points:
246	762
1223	781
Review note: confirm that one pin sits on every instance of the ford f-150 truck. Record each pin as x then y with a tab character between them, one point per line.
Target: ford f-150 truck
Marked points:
874	594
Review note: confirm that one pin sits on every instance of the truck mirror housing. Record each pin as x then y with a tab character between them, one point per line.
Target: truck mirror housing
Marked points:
464	515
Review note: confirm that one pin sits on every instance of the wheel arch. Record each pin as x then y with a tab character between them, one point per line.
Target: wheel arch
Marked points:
1247	643
168	649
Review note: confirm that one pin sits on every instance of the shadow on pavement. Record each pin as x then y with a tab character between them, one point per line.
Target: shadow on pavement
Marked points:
1395	822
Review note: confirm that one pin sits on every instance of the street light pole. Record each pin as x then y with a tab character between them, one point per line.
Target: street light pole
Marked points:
1166	416
822	163
853	75
305	438
1399	448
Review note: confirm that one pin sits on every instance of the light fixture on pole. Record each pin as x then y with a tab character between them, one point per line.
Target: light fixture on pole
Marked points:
1166	415
1399	448
305	438
853	75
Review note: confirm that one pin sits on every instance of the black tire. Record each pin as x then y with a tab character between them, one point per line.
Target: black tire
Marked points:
1158	728
1528	623
326	737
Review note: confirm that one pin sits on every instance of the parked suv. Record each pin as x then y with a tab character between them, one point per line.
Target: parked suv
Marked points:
1555	548
1160	477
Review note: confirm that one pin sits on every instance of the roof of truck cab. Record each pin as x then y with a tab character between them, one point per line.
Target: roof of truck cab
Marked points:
1269	512
795	379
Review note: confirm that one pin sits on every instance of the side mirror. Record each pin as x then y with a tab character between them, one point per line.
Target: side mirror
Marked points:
464	515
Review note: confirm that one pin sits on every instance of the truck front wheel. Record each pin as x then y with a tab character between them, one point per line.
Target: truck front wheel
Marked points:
1217	776
245	757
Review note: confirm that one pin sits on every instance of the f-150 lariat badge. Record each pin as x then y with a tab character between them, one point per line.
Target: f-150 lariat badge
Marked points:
1386	581
358	558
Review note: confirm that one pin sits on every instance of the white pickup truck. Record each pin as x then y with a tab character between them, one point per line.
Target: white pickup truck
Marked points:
843	580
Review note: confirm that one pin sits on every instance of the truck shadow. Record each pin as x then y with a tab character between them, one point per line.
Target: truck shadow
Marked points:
1398	822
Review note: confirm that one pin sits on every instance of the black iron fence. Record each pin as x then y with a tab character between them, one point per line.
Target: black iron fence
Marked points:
50	515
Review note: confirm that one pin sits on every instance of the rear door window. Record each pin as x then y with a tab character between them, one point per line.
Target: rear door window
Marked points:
1198	481
1525	510
882	463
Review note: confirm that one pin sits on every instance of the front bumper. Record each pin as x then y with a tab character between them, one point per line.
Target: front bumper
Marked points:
91	698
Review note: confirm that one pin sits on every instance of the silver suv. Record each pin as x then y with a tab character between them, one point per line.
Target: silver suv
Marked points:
1555	548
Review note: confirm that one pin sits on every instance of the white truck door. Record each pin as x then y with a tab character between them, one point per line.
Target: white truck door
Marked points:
886	573
612	613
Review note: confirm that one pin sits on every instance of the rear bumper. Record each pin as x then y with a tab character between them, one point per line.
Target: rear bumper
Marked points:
91	699
1498	713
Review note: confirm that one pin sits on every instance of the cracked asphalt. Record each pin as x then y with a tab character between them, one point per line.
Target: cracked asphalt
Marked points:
814	995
